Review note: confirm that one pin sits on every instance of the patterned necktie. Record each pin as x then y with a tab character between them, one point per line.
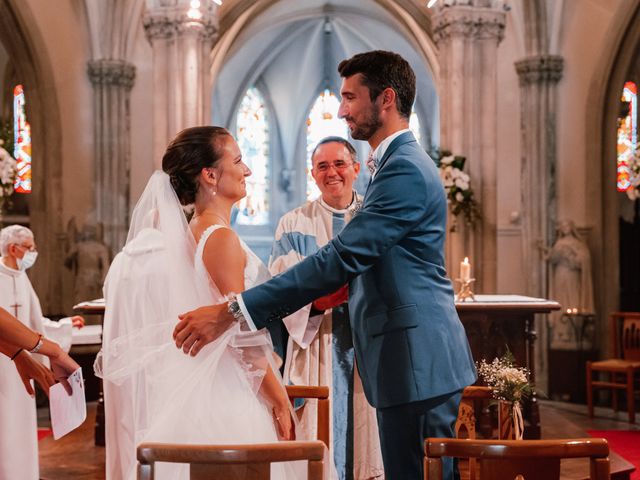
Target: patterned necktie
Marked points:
372	162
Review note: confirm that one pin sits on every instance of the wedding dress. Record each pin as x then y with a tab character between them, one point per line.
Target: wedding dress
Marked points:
153	391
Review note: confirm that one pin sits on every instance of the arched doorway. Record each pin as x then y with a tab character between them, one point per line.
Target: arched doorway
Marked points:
629	206
618	65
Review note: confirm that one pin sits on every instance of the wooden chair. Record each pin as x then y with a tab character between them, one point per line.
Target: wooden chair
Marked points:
521	459
231	461
320	393
466	423
623	367
244	461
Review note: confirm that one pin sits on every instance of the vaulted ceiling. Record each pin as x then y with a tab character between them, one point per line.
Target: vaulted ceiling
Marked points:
291	49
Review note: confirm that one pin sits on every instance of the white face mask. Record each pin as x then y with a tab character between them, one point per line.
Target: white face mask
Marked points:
27	261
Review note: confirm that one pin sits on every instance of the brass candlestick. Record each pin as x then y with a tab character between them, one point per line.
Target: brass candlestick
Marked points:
465	290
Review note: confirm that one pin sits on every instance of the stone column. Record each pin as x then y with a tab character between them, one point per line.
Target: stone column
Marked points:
182	38
112	82
467	34
539	76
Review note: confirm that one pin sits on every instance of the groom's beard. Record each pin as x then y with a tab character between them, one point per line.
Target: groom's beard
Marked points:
367	127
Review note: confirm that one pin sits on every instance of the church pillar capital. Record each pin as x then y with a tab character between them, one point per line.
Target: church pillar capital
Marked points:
540	69
182	34
464	20
162	23
112	72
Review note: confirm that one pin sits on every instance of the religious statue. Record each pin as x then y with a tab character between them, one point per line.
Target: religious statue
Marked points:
570	285
88	257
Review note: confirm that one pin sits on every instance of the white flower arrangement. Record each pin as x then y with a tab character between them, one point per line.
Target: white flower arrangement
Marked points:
506	381
8	171
633	192
457	185
509	384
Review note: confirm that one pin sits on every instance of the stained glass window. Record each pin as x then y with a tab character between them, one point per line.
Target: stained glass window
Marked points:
22	142
322	122
627	135
252	133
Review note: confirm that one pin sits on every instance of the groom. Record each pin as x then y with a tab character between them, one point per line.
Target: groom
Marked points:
411	349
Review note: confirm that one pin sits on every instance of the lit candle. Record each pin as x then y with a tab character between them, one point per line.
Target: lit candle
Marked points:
465	270
568	311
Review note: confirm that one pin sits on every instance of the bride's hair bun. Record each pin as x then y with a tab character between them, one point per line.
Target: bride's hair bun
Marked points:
183	188
188	153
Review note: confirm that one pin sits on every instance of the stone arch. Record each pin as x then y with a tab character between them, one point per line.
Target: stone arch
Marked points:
416	22
25	46
603	101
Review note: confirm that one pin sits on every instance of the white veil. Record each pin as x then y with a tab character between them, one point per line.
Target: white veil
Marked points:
150	282
152	390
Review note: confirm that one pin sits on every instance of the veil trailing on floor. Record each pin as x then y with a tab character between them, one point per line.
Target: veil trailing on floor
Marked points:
153	391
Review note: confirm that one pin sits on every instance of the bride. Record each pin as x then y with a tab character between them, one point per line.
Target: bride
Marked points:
230	393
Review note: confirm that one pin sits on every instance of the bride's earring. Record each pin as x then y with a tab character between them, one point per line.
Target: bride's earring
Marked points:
214	188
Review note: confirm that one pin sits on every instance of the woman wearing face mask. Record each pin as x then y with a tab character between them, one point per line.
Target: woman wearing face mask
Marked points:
18	437
18	253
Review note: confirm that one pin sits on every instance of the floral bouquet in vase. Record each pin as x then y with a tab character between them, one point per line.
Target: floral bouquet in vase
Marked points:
509	384
8	170
457	186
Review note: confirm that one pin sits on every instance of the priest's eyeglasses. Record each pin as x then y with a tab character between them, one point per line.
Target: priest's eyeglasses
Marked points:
338	165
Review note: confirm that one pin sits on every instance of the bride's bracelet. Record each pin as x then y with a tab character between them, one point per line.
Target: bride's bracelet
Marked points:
39	344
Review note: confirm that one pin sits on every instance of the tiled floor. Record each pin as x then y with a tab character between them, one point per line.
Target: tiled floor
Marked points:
567	420
74	456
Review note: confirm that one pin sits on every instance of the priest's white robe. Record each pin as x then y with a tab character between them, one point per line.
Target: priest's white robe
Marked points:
18	422
320	349
18	435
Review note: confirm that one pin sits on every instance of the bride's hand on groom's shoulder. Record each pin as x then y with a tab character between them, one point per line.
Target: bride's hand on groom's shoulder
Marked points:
201	326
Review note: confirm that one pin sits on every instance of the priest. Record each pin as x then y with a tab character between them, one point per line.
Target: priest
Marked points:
18	436
320	349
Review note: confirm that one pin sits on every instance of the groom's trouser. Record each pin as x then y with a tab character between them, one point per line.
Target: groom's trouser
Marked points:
403	429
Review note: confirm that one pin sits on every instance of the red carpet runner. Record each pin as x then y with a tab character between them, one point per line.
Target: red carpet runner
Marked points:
44	433
625	443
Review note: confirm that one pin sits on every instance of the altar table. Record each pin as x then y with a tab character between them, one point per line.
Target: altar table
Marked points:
496	322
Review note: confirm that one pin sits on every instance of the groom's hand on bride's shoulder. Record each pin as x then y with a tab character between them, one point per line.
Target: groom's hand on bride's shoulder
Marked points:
200	327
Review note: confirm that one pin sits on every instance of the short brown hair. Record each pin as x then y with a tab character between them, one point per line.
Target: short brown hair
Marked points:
380	70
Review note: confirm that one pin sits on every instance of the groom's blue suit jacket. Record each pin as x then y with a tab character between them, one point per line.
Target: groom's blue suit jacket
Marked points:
409	342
